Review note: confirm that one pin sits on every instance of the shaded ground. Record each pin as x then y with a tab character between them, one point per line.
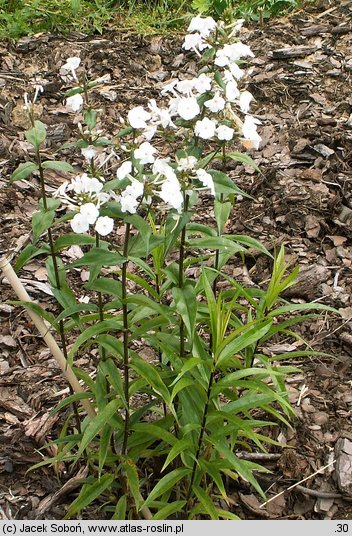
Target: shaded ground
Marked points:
301	79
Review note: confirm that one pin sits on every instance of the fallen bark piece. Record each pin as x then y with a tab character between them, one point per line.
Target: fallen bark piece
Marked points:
308	283
292	52
343	468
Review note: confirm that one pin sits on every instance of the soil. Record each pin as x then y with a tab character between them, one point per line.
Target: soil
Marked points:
301	80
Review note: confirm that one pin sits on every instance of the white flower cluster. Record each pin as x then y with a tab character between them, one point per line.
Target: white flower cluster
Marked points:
85	193
207	106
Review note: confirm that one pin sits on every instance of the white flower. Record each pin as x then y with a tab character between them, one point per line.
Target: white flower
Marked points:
232	91
206	179
171	193
205	128
202	25
221	59
215	104
173	105
135	189
75	102
149	132
104	225
238	25
124	170
128	203
61	191
82	184
188	108
79	223
235	71
88	152
194	42
236	51
145	153
249	130
185	86
138	116
245	100
224	133
162	167
169	88
90	212
202	84
72	64
187	164
159	116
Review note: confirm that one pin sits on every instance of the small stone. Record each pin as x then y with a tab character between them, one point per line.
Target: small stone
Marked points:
343	468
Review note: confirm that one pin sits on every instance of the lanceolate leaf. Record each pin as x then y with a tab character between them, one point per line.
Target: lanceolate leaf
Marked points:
73	239
89	493
96	425
186	306
23	171
243	159
166	483
57	165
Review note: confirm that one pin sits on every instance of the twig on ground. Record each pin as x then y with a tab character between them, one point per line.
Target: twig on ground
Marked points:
298	483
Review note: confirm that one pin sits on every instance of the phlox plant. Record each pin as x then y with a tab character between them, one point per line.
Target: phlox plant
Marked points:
168	429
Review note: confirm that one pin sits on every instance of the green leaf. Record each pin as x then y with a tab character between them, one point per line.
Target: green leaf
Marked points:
180	446
152	376
35	308
224	185
104	446
99	257
74	309
58	165
36	135
113	346
205	501
28	253
222	212
186	306
96	425
218	79
131	472
92	331
230	347
244	159
70	400
243	467
169	510
166	483
23	171
110	370
212	468
120	510
41	221
106	286
155	431
216	242
90	118
89	493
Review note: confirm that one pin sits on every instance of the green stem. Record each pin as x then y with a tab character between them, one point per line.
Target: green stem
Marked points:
57	277
181	276
200	442
125	338
100	302
217	253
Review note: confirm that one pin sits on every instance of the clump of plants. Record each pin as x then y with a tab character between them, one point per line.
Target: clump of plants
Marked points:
165	439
